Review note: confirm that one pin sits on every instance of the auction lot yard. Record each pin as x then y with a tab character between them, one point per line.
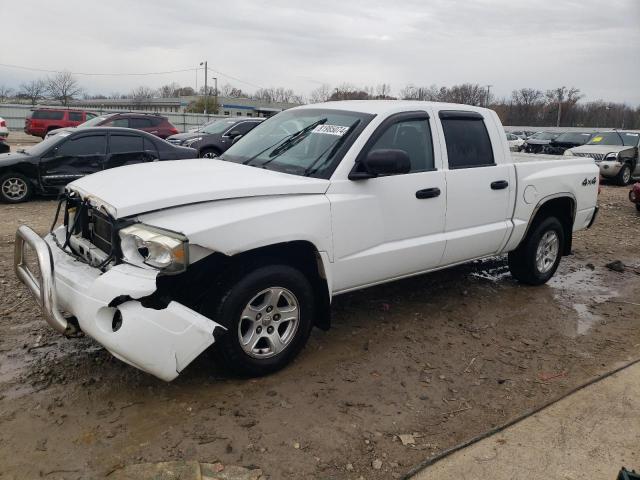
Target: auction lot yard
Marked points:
442	357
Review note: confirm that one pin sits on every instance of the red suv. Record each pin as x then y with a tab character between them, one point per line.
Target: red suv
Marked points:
43	120
152	123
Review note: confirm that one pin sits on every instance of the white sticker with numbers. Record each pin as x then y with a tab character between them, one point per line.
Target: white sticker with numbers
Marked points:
337	130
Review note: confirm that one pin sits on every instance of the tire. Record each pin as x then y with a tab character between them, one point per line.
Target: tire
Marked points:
537	258
624	175
209	153
638	207
15	188
249	310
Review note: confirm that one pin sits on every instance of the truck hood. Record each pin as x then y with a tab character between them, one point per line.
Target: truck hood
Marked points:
147	187
603	149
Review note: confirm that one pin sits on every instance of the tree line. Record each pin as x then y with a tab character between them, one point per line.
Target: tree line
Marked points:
561	106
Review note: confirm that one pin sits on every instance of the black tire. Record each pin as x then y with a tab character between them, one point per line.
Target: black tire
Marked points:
209	152
522	261
10	181
624	175
227	309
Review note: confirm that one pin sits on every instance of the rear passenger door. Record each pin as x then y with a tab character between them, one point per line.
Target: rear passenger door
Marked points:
126	149
479	189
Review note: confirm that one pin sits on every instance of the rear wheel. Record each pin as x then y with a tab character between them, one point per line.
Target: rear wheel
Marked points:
535	261
624	175
268	314
15	188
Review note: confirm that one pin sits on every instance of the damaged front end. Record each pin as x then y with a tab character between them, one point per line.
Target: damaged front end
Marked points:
80	271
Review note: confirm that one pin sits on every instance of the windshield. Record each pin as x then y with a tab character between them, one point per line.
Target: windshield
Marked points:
94	122
573	137
545	135
615	138
47	143
307	141
217	126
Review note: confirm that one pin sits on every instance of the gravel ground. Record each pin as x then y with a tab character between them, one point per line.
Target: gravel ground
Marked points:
408	369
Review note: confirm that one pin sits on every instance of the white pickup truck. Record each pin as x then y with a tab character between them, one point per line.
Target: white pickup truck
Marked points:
158	261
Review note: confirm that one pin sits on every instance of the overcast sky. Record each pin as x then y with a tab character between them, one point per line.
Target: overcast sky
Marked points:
593	45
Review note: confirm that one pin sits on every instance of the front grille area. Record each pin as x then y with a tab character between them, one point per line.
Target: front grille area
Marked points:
84	221
596	156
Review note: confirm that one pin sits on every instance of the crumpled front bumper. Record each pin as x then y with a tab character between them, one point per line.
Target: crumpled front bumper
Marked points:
161	342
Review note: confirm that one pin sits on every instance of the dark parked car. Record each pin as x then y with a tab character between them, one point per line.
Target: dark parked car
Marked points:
215	138
152	123
43	120
558	145
536	142
48	166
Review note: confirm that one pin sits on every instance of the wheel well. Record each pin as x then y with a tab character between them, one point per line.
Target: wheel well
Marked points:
564	209
209	148
208	276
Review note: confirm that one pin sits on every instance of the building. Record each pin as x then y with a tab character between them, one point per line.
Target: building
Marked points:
227	106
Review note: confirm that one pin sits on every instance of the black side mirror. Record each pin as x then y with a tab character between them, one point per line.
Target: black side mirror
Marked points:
381	162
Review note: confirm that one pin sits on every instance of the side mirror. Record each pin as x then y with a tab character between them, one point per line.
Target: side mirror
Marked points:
381	162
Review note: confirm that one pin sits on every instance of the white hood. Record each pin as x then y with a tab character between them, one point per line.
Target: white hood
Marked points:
153	186
603	149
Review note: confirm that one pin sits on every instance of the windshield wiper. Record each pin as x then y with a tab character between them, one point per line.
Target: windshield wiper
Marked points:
310	170
282	141
621	139
295	138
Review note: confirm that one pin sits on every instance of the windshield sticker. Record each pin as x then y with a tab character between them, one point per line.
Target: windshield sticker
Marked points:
337	130
596	139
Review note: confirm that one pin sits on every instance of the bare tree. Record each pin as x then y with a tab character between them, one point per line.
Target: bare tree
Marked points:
564	99
140	94
320	94
169	90
383	91
63	87
5	92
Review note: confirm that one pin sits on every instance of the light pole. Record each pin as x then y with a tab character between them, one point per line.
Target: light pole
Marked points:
486	103
206	89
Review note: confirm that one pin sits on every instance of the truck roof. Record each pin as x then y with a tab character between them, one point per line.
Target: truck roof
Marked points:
390	106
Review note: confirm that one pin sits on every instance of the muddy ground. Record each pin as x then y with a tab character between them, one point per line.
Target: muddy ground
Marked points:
441	357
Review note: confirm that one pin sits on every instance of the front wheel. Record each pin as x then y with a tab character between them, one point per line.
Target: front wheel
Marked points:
624	175
209	153
268	314
537	258
15	188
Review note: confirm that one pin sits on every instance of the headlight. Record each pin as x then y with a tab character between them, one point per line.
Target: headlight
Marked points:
611	156
569	153
158	248
190	141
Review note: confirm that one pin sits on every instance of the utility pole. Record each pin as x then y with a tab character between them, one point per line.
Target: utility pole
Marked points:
559	112
206	88
215	79
486	103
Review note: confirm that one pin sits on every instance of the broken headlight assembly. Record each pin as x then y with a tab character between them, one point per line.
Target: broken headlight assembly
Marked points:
162	249
611	156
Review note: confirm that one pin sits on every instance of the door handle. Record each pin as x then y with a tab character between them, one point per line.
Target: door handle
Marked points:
499	185
428	193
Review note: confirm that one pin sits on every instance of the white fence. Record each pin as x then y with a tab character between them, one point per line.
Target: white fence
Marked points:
15	115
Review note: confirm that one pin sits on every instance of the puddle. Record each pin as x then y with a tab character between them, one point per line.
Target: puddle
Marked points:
581	290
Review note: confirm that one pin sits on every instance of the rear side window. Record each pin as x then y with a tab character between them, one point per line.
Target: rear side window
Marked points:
92	145
468	143
75	116
140	123
125	144
48	115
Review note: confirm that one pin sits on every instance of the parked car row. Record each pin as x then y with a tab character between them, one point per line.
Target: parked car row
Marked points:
48	166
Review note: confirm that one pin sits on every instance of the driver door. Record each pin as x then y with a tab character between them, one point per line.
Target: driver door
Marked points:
391	226
78	156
